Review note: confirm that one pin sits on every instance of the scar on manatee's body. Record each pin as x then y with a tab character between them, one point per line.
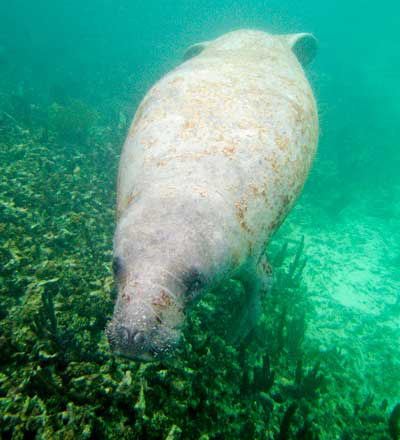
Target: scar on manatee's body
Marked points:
241	208
131	197
126	297
163	300
281	141
201	191
177	80
229	151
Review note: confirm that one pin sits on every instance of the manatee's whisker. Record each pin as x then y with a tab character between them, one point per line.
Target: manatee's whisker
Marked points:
174	277
171	294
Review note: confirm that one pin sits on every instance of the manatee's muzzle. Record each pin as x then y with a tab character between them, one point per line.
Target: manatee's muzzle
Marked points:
135	344
128	341
147	317
131	343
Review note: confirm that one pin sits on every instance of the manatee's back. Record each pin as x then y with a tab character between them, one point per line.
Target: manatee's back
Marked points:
235	127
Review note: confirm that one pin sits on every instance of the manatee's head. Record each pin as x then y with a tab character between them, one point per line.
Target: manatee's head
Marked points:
154	289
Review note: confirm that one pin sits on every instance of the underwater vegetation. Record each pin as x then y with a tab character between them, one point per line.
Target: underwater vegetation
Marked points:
58	378
72	122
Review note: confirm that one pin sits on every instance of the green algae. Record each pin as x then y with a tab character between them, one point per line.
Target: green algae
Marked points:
72	122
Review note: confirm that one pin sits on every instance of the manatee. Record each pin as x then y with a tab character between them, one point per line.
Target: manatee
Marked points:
217	153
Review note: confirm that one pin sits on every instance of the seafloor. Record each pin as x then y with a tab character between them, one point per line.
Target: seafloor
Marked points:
323	363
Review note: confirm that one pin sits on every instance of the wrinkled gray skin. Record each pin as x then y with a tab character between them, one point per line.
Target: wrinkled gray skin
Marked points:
218	151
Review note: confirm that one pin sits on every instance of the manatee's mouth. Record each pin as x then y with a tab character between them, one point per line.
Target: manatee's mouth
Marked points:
134	344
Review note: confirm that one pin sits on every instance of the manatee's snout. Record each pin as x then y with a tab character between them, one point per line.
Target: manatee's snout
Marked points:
148	339
131	342
154	288
145	324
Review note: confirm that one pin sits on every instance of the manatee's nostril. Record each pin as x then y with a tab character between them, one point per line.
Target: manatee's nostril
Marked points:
125	335
139	338
128	336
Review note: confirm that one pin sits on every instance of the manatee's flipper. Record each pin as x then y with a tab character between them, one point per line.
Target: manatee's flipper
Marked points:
194	50
303	45
256	284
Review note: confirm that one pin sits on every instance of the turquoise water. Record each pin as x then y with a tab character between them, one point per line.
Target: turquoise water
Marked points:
324	361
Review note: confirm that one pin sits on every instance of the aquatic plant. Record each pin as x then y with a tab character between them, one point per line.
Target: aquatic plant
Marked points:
20	105
394	422
72	122
307	385
288	300
286	421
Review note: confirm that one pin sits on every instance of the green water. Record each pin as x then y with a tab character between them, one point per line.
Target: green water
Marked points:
324	361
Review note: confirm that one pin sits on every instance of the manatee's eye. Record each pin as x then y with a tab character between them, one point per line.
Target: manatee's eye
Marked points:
117	266
194	281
